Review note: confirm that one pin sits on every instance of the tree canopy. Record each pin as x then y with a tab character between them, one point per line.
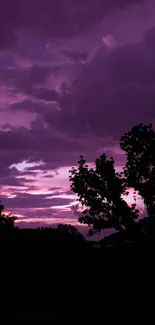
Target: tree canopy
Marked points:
70	230
6	221
139	171
100	190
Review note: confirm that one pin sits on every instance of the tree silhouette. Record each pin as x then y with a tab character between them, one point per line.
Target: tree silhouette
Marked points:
100	191
69	229
6	221
139	171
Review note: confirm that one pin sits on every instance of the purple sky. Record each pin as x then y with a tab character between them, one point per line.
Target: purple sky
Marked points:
74	76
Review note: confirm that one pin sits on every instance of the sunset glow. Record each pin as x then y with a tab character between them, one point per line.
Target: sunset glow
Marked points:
54	108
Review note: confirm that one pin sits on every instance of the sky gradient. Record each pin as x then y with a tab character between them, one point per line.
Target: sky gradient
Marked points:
74	76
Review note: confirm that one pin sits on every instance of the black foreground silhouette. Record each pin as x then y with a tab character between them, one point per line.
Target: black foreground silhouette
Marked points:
56	276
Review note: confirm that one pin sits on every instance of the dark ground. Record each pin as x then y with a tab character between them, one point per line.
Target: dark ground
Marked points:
67	281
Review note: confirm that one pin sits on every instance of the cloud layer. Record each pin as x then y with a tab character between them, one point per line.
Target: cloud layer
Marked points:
65	91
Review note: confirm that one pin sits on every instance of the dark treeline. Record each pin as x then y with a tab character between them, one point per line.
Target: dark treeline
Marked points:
54	275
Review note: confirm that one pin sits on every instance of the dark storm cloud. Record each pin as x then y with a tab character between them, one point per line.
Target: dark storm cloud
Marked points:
135	62
36	213
35	144
26	200
24	80
13	181
31	106
11	176
32	224
56	18
54	188
47	95
7	158
114	87
76	56
110	92
28	172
